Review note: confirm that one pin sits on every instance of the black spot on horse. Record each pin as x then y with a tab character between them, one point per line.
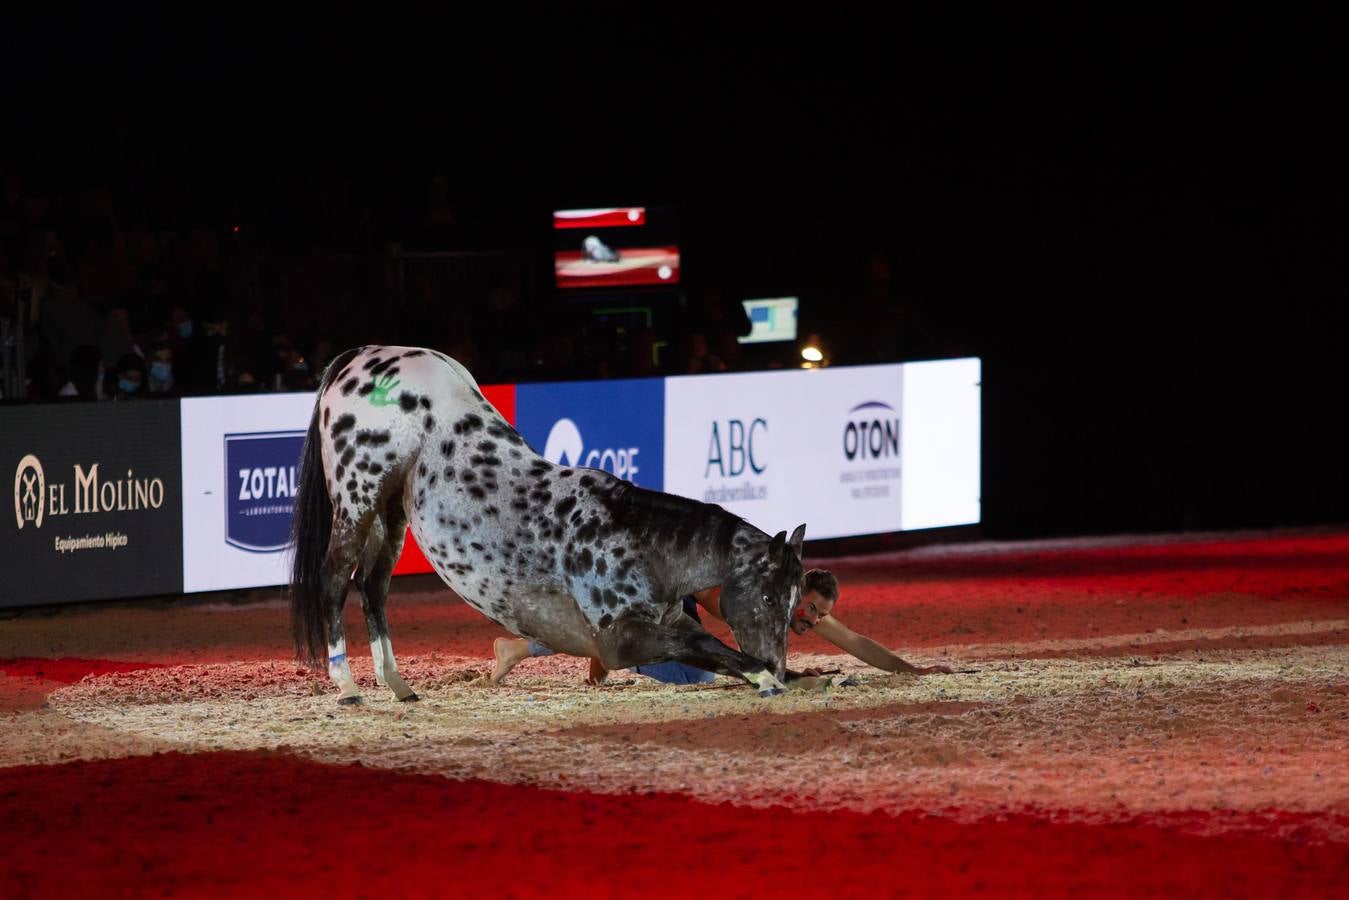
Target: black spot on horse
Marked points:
619	551
412	353
363	465
541	497
468	424
601	565
477	492
407	402
425	402
350	385
380	367
327	411
605	620
421	469
449	473
521	505
587	480
343	423
376	468
476	546
366	389
564	506
373	438
371	363
469	477
610	599
447	449
348	455
585	559
429	423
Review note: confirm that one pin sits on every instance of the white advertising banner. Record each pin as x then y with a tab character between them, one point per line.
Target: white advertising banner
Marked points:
241	461
941	443
840	449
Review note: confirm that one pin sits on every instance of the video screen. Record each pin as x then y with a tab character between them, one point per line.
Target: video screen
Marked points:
627	246
773	319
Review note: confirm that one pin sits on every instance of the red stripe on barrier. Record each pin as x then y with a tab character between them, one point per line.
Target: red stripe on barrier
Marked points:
413	561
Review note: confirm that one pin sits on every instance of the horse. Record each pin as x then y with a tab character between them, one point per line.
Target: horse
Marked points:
575	558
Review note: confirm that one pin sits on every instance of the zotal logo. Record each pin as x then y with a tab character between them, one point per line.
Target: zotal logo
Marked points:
30	486
261	477
565	447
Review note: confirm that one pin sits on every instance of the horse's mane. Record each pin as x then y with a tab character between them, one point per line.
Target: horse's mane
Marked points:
665	518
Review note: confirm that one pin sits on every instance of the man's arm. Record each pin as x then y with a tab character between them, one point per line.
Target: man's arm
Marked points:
867	650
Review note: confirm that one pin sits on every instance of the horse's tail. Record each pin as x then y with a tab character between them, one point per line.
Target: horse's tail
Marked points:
310	529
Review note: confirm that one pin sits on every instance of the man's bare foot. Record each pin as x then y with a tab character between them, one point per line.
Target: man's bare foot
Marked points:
597	672
508	652
934	670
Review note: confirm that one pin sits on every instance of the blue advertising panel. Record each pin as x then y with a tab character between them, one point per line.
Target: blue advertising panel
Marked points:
261	476
617	426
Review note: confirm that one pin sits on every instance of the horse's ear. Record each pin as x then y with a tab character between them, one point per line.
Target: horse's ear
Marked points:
775	546
798	538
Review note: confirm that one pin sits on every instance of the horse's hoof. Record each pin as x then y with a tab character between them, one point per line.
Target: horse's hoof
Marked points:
772	692
354	700
410	698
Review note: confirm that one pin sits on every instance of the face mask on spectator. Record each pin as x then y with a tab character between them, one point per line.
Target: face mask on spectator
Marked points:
161	371
185	328
128	387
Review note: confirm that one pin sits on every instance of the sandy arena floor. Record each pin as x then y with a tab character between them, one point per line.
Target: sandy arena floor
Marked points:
1131	716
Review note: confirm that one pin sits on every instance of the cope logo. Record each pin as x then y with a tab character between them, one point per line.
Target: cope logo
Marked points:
261	478
30	485
617	426
565	447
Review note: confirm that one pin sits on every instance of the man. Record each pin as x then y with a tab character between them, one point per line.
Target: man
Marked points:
819	594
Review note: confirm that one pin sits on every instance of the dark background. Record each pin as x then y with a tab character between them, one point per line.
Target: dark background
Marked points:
1138	224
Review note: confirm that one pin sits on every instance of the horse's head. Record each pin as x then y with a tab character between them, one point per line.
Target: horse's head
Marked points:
758	599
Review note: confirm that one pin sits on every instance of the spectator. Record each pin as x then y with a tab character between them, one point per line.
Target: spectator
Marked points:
194	359
86	375
116	341
161	369
131	378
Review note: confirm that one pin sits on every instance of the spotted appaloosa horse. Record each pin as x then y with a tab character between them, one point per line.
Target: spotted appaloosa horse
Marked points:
576	559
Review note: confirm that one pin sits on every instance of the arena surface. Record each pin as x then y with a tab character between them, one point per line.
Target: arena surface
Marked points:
1133	716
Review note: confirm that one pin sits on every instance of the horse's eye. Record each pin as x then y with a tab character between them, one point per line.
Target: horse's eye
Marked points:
771	601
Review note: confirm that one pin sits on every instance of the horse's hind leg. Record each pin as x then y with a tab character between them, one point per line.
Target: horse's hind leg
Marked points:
383	546
343	556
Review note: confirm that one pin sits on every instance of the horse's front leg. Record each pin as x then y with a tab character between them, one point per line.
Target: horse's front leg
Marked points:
631	641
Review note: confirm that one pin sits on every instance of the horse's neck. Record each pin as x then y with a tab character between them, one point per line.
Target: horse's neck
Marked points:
709	566
705	570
